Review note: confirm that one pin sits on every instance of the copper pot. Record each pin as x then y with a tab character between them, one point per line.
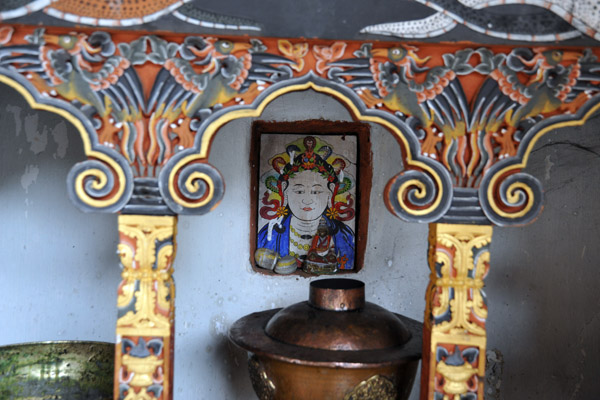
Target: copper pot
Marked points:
333	346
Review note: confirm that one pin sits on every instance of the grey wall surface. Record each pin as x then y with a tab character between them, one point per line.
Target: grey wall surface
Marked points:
59	270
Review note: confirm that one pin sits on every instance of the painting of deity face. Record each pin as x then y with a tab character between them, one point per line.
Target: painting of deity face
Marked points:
306	203
307	195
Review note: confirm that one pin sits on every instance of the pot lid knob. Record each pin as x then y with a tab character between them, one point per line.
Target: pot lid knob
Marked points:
337	317
337	294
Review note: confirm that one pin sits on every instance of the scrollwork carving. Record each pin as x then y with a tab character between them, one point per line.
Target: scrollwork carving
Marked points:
95	185
416	196
191	187
511	198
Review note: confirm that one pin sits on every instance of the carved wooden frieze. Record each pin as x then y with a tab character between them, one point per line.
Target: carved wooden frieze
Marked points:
148	107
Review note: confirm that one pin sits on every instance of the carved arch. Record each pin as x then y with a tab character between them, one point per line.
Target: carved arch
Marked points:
422	194
505	184
102	183
147	110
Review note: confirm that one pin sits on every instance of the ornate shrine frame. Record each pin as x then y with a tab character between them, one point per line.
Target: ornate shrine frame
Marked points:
148	107
363	166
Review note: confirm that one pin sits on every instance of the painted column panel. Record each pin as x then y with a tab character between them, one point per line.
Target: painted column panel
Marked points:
146	303
454	340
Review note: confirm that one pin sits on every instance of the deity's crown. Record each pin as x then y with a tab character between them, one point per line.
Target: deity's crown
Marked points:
311	159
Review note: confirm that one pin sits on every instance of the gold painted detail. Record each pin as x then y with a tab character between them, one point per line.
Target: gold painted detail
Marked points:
460	262
192	185
376	387
456	378
420	191
456	313
147	250
513	196
263	386
142	369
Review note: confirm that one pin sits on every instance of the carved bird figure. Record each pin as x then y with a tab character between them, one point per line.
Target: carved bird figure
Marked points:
530	82
86	69
387	77
89	72
202	75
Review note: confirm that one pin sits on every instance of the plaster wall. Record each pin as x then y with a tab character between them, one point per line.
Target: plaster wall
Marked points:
59	270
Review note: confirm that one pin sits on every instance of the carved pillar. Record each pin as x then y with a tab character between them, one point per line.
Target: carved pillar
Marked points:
146	302
454	340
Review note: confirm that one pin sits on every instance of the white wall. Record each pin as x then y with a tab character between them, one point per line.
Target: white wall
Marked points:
59	270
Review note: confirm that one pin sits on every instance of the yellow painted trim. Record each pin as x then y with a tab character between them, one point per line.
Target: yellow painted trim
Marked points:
139	219
128	331
87	146
523	163
420	194
213	128
191	185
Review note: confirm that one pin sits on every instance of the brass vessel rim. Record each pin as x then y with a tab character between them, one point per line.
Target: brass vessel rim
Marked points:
57	342
249	333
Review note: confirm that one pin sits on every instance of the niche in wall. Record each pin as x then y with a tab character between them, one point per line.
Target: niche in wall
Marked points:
310	184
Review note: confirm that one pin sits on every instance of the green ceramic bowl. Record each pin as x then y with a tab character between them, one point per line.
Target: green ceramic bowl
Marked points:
68	370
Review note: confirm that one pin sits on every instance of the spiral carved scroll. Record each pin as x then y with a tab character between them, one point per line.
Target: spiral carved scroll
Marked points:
417	196
511	199
192	188
94	185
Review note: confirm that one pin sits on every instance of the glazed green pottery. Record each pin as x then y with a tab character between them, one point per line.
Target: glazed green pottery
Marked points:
57	370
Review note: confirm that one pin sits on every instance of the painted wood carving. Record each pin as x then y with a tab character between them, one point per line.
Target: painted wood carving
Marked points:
146	304
523	20
148	107
529	20
454	337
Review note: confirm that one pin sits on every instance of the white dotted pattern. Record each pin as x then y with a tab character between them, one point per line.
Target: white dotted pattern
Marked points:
581	14
434	25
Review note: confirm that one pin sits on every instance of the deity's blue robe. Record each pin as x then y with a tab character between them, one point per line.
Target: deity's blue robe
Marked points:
343	240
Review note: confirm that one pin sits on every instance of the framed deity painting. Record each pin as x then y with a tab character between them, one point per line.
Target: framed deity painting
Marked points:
310	196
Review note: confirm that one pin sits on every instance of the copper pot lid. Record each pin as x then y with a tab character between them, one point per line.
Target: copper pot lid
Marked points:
335	327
